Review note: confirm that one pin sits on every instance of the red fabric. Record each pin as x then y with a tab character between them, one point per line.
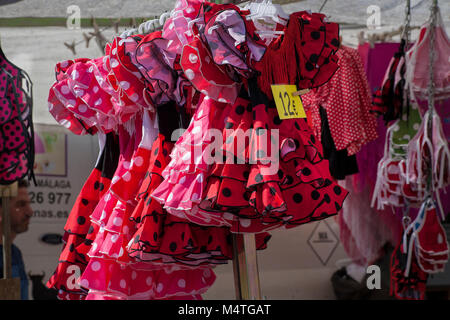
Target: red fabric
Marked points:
300	191
78	227
164	238
305	55
347	100
411	287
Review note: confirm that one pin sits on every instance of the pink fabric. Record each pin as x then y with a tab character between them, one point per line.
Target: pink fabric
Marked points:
16	140
358	220
363	230
376	60
111	273
97	94
185	176
109	94
124	282
356	223
417	58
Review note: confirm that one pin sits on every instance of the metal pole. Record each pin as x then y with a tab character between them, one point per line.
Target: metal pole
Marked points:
431	88
245	263
407	24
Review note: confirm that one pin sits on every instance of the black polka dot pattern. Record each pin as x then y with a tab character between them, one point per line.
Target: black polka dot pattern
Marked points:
298	198
240	110
315	195
226	192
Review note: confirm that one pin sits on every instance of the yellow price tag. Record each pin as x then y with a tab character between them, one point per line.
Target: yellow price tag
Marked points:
288	105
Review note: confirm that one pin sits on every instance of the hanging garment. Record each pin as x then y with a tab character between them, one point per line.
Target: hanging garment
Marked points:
185	175
312	43
111	273
16	123
426	238
347	101
411	286
241	111
365	230
389	99
417	59
409	150
424	151
376	59
341	164
78	226
165	238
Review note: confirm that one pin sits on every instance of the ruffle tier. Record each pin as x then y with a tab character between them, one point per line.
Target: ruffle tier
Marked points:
97	94
166	239
277	176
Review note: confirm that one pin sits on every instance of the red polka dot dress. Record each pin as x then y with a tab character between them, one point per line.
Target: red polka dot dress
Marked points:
73	258
111	272
167	239
347	100
294	189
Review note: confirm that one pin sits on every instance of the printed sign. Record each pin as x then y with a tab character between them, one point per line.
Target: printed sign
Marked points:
50	153
288	105
323	242
52	196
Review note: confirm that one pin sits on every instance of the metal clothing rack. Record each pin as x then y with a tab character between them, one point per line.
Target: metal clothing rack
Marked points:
431	90
431	86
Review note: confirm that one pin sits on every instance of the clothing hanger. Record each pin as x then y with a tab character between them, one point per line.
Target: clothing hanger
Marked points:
269	13
148	26
265	7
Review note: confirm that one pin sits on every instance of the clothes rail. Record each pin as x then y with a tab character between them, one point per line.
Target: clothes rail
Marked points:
148	26
431	89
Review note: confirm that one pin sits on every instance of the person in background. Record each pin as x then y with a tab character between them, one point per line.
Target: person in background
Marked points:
21	213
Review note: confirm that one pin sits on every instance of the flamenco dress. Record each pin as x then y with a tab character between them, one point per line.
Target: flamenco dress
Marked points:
250	197
168	239
78	227
16	124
